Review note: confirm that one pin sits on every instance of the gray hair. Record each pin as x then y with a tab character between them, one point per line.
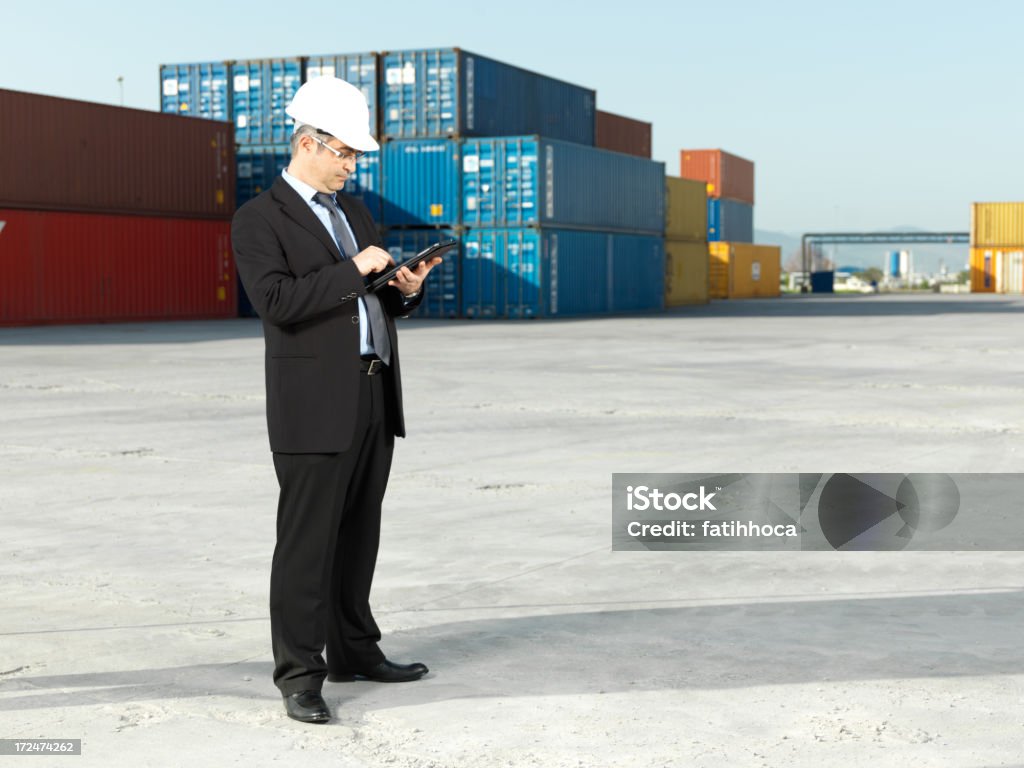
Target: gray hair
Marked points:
303	129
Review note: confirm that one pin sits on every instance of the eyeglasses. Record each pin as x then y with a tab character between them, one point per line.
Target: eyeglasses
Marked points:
341	154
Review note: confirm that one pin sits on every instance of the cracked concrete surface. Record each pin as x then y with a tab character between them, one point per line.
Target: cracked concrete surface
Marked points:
137	520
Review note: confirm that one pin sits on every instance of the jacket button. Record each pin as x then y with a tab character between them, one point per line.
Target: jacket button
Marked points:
355	319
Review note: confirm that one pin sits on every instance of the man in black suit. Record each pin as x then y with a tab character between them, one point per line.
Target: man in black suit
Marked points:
334	395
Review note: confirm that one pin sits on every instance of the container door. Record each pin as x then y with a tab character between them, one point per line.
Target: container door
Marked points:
1013	270
521	273
481	190
481	283
518	186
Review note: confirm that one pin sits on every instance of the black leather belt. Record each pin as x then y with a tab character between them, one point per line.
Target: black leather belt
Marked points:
371	366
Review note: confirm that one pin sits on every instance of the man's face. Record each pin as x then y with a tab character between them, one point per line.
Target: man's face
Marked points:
327	170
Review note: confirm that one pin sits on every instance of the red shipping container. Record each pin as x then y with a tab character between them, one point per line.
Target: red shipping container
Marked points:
66	155
728	176
60	267
622	134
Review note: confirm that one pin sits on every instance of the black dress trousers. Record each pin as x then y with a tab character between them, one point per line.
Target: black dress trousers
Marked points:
328	532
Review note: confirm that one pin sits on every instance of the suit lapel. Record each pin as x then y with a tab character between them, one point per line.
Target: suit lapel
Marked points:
298	210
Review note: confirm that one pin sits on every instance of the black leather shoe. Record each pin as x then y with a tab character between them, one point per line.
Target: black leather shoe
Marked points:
307	707
385	672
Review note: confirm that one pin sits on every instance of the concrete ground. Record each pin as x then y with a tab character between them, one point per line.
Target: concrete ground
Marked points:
138	509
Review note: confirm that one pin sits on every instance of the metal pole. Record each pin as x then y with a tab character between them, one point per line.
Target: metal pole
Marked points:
804	266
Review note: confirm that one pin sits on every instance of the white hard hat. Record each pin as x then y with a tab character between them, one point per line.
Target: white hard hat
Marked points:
335	107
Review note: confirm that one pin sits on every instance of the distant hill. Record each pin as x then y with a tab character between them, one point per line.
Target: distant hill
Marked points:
789	242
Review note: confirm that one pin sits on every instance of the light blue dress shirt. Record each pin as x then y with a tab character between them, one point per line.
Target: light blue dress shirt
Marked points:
307	192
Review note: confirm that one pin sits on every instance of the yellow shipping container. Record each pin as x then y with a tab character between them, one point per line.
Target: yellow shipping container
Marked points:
686	273
997	270
686	209
743	270
997	224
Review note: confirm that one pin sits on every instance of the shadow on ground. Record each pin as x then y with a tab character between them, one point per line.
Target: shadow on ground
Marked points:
706	647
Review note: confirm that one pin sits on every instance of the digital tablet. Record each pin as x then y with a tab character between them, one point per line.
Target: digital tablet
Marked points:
377	280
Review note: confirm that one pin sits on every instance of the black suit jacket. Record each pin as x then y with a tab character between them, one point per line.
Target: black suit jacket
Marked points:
307	298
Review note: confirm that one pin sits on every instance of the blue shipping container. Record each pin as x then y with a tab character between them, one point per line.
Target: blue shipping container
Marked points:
196	90
253	94
359	69
823	282
421	182
257	168
531	180
531	272
442	295
730	220
520	180
450	92
260	91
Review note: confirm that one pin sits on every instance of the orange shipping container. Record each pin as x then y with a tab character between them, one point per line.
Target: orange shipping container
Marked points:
726	175
743	270
997	224
622	134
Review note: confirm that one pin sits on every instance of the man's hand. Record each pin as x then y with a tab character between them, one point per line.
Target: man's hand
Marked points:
372	259
410	281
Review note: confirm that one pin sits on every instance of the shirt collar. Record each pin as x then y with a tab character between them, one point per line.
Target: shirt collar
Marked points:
305	191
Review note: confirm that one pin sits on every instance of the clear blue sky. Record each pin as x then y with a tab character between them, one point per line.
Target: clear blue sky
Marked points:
860	115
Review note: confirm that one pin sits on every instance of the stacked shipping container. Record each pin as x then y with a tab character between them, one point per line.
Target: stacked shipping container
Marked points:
549	271
743	270
997	247
622	134
686	246
109	213
504	159
450	92
519	181
736	268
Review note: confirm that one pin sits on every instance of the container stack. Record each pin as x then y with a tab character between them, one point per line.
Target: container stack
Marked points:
736	268
686	243
997	247
504	160
501	158
112	214
730	187
252	96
